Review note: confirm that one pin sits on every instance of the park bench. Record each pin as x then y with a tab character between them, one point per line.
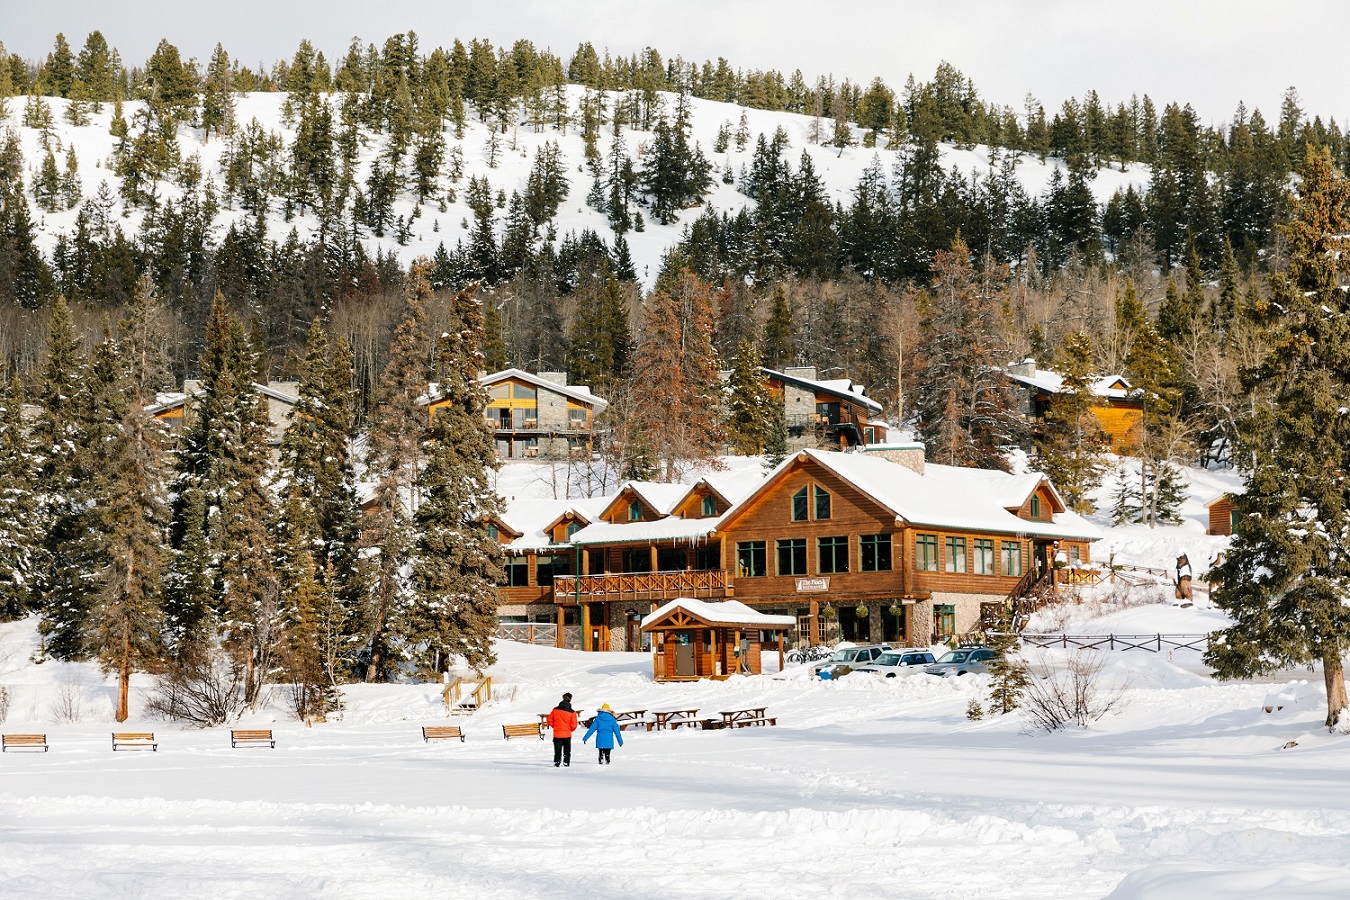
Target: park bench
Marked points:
441	733
134	740
529	729
23	742
245	738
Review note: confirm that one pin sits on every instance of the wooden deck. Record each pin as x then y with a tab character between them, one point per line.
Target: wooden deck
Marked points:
641	585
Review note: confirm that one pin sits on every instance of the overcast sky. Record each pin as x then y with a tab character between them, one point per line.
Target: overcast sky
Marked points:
1211	53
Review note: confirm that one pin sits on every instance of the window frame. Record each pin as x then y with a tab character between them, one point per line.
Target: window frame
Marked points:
635	510
821	498
709	505
801	503
982	556
954	563
874	543
512	564
795	551
927	545
758	553
1005	557
836	542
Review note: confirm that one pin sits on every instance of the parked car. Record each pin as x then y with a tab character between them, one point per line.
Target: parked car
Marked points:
846	659
959	662
893	661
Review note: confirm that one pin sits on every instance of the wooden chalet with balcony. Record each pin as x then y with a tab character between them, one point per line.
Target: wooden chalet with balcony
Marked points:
1117	408
851	546
833	414
538	416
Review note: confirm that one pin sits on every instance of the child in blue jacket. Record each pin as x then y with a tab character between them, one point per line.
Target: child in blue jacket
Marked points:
606	729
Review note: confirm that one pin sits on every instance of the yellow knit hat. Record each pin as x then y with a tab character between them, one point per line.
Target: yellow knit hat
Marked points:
605	707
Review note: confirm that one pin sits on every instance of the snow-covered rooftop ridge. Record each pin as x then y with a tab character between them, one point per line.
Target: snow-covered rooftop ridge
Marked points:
840	387
723	612
1052	382
1007	489
530	519
956	498
660	496
579	392
733	486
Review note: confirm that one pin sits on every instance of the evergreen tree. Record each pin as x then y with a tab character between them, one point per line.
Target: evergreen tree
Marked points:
1069	447
19	528
1287	572
778	331
1008	673
457	563
749	403
1164	434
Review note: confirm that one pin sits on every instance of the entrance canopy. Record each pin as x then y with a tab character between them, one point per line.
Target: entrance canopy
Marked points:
686	612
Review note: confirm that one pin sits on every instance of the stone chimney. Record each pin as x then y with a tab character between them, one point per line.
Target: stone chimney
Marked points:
911	456
558	378
801	372
1026	368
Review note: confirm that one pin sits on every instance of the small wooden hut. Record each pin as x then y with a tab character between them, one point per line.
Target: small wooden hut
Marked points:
694	639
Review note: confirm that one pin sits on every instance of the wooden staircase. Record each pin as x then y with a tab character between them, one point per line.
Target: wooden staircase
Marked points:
466	695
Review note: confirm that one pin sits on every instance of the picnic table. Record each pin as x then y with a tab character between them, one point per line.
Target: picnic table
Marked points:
672	719
741	718
543	718
630	718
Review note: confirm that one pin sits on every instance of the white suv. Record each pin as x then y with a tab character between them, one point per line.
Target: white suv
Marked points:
893	661
846	659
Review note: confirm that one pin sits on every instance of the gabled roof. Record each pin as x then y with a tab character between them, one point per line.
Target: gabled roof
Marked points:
578	392
661	497
730	488
671	528
1112	387
719	613
1006	489
957	499
532	521
174	399
839	387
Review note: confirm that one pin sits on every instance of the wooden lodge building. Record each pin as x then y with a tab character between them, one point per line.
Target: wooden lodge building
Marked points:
281	396
537	416
863	546
831	414
1115	405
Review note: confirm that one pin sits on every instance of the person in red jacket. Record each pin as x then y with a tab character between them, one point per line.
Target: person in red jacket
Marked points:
563	721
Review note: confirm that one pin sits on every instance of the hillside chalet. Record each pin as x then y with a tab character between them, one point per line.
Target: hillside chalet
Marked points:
281	396
853	546
537	415
830	414
1117	409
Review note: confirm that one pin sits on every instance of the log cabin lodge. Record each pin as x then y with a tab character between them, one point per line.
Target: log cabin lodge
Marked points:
868	545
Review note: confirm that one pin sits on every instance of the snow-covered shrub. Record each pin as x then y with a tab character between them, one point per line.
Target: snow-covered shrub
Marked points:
4	703
1079	694
205	691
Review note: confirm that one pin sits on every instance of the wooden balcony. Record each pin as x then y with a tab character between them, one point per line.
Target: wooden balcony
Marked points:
702	584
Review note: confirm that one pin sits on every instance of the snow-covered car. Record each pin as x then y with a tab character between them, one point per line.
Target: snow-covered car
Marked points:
960	662
846	659
893	661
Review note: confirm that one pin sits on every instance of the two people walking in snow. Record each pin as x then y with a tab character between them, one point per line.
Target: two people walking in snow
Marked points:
563	721
606	730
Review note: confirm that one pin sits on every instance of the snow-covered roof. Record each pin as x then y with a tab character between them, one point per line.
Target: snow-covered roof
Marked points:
956	499
531	519
671	528
1006	489
578	392
840	387
724	612
1052	382
287	392
731	487
659	495
1226	495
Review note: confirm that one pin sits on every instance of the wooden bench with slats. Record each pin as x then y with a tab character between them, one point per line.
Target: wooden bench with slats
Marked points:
23	742
530	729
134	740
251	738
441	733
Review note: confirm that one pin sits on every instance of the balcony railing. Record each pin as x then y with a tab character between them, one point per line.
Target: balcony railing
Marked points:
640	585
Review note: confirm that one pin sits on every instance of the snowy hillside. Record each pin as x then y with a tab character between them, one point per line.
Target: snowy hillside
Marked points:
839	171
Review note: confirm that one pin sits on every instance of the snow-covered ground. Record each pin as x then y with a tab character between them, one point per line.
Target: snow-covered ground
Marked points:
865	787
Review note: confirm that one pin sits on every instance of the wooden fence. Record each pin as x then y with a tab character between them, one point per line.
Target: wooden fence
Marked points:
543	634
1153	643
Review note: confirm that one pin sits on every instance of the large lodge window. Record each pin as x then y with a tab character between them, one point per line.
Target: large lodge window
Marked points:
546	568
792	556
822	503
956	554
750	559
708	557
636	560
799	506
516	572
876	552
1012	558
833	554
926	553
984	556
671	559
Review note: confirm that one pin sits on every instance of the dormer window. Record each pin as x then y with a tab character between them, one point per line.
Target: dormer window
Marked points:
493	532
1035	507
573	528
709	506
635	511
